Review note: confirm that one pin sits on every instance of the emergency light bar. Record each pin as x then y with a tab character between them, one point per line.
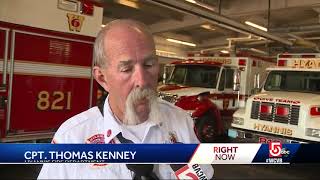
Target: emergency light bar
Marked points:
282	111
242	62
315	111
282	62
265	109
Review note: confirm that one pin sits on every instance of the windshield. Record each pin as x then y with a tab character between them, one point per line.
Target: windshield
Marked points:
298	81
195	76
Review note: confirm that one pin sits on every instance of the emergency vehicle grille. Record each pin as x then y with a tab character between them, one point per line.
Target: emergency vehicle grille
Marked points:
255	109
168	98
172	98
291	118
294	114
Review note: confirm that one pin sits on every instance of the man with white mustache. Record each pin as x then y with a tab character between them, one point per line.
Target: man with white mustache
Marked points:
136	98
126	66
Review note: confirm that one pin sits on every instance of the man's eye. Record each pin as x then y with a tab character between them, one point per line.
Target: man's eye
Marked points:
149	64
126	69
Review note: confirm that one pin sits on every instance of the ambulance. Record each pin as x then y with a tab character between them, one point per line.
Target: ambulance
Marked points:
212	88
288	108
46	55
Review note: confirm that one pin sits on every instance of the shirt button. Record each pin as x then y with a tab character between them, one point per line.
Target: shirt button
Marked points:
109	132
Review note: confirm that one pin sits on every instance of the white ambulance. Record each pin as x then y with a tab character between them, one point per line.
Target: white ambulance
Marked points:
288	107
204	87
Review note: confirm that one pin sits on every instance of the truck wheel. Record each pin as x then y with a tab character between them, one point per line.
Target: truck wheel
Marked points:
205	127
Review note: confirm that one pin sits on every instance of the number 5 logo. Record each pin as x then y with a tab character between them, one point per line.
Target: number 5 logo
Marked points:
275	149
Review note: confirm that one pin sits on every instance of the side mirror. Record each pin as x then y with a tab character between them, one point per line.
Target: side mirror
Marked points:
236	80
164	75
164	78
256	83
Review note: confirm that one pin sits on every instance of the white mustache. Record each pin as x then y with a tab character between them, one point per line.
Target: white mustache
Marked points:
137	94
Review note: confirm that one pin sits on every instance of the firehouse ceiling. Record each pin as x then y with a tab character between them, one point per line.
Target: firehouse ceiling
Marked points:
211	26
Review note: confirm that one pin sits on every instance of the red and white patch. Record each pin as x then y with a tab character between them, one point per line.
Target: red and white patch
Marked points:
172	137
96	139
100	165
109	132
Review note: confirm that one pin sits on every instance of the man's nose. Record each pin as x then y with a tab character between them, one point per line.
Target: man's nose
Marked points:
140	77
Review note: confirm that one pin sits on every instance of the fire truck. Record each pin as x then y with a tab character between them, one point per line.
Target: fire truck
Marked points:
46	55
288	108
211	89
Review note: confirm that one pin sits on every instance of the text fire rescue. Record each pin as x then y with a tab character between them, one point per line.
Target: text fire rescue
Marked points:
225	153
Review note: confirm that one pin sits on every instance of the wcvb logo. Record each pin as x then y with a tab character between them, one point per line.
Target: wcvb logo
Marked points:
275	149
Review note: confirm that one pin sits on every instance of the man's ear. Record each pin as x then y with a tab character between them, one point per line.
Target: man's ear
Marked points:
100	76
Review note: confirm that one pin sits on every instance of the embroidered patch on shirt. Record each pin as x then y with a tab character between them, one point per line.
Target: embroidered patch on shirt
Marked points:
99	165
172	137
96	139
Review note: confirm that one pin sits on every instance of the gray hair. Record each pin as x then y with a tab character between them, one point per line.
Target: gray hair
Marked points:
99	55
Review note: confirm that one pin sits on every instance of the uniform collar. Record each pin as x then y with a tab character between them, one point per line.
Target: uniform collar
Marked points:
113	126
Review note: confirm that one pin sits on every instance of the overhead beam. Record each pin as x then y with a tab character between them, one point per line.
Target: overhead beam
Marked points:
148	8
249	7
220	41
171	25
179	37
188	8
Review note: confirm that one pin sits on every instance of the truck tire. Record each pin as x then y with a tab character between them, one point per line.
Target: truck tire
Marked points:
205	127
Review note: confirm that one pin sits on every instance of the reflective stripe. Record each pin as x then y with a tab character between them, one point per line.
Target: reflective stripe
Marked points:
46	69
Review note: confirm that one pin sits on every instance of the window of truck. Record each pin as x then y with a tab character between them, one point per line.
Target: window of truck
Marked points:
195	76
226	80
297	81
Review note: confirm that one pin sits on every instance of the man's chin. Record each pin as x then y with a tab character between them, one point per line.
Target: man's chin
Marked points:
142	111
141	107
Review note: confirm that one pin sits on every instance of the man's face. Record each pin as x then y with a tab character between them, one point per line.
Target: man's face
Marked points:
132	63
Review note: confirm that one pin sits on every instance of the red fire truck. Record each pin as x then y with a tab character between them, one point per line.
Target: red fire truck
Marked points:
204	87
45	62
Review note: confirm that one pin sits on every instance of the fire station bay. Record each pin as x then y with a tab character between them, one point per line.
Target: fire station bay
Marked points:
245	71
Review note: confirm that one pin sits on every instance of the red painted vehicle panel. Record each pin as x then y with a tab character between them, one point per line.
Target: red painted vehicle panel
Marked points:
2	43
3	92
52	50
42	100
43	103
48	72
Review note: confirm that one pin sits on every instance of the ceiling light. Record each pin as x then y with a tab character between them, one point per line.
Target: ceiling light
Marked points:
103	25
128	3
256	26
224	51
258	51
207	26
191	1
181	42
162	51
201	4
